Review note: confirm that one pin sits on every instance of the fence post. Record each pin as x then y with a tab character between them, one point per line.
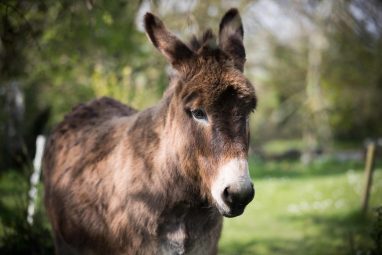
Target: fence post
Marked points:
35	178
369	168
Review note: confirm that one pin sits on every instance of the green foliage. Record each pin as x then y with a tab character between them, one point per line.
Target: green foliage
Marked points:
353	85
347	67
63	53
78	50
89	51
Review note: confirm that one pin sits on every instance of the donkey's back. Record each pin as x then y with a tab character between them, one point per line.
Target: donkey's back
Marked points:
90	126
94	112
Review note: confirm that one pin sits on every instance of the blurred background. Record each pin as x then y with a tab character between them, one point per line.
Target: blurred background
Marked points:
316	66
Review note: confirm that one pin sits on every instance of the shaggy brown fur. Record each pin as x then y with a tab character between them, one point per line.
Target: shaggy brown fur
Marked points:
118	181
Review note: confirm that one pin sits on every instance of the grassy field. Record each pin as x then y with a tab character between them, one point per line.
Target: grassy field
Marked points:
304	210
297	210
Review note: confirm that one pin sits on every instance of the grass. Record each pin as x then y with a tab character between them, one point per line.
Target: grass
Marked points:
304	210
298	209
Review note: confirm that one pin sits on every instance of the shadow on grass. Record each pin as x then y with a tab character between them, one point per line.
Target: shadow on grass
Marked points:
349	233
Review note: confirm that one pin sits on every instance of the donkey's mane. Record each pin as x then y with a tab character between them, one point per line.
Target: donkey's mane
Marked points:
207	38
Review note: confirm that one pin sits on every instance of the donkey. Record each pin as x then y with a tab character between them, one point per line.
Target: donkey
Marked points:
159	181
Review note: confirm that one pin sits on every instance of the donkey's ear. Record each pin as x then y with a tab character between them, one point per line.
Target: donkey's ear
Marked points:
231	36
176	52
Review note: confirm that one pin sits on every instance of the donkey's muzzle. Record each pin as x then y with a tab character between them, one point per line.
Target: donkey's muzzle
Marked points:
237	198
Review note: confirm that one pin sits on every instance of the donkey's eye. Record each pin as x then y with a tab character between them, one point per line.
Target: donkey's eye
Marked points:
199	114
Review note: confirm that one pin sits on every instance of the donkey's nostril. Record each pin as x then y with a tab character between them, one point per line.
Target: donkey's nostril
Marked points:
227	196
238	198
225	193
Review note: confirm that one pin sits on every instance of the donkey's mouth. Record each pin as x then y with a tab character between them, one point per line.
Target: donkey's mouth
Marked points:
231	212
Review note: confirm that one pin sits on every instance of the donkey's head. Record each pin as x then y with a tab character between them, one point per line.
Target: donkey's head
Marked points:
209	108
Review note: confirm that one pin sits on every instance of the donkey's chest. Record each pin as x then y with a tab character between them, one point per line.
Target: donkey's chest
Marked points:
173	239
193	233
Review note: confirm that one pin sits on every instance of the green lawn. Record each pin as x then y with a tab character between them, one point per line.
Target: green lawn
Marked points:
297	210
304	210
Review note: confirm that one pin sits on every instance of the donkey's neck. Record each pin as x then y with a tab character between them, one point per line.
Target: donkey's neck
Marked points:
164	187
155	137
